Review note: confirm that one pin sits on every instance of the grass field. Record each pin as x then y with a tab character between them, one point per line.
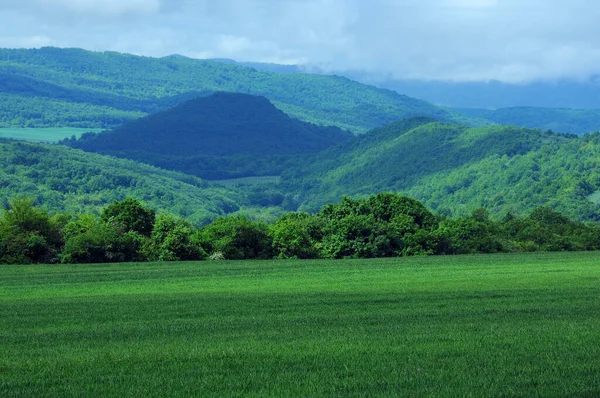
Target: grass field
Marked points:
51	134
498	325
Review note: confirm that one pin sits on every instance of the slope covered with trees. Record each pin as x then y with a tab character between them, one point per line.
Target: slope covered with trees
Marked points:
64	179
119	86
223	135
403	155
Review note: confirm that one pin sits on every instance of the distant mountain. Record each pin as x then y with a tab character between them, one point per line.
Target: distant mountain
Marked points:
494	94
563	106
103	88
574	121
221	125
491	94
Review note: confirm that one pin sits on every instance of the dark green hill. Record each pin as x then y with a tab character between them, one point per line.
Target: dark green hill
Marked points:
101	79
574	121
215	131
65	179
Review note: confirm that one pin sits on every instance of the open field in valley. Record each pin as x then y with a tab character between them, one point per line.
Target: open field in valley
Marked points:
485	325
50	134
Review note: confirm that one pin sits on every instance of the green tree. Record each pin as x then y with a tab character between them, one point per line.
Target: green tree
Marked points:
297	235
103	242
132	215
174	239
237	238
28	234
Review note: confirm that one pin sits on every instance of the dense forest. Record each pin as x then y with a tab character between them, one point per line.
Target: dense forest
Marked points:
383	225
63	179
453	169
456	169
120	87
201	153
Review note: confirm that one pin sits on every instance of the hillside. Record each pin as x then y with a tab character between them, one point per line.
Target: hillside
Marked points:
456	169
65	179
203	136
105	90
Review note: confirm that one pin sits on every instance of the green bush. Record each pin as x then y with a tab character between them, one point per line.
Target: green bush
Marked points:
174	239
237	238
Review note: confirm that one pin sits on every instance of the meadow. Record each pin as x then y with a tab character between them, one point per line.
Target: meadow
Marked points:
47	134
481	325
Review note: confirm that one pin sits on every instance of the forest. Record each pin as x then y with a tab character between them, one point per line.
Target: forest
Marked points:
383	225
109	88
207	141
54	87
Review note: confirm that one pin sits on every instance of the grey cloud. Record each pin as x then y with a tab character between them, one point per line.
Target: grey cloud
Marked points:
506	40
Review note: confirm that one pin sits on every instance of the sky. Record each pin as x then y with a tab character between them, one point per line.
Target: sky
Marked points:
514	41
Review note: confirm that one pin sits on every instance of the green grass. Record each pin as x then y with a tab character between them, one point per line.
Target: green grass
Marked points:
51	134
499	325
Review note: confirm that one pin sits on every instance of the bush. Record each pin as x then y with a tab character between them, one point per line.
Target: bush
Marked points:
174	239
237	238
104	243
297	235
28	234
132	215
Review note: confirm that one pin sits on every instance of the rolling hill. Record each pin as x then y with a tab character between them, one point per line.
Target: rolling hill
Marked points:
563	106
64	179
455	169
107	89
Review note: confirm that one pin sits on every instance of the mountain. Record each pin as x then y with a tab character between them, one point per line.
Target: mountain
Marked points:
574	121
103	89
493	94
207	130
563	106
64	179
455	169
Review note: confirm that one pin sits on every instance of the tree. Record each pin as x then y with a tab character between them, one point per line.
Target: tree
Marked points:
28	234
132	215
174	239
297	235
103	242
237	238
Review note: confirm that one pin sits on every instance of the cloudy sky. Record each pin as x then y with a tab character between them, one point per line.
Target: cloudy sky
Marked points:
459	40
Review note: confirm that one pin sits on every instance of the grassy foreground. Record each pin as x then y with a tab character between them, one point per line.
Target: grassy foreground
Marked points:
499	325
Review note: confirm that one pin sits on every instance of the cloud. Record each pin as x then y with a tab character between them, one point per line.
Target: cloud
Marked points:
109	7
509	40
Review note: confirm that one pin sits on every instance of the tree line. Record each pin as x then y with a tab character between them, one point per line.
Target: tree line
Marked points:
383	225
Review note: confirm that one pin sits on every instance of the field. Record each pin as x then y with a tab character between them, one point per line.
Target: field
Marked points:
497	325
52	134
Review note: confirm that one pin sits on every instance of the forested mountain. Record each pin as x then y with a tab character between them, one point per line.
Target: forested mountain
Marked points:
455	169
563	106
207	136
64	179
106	88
